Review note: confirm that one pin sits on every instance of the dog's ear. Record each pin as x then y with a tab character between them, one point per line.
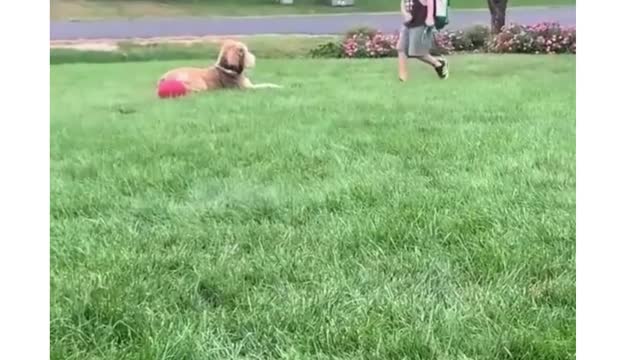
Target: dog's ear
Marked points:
235	57
222	61
232	58
240	50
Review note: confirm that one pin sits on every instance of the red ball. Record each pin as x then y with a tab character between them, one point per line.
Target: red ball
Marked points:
171	89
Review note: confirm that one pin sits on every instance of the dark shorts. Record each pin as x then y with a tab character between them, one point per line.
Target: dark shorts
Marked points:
415	41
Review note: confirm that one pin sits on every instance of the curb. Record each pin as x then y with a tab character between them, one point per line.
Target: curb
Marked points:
287	16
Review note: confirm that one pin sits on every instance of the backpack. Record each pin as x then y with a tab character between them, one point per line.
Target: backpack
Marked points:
441	14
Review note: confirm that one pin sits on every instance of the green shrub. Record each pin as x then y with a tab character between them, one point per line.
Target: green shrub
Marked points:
331	49
477	36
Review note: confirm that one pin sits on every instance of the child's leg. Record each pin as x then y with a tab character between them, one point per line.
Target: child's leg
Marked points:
402	48
429	59
424	42
440	65
402	66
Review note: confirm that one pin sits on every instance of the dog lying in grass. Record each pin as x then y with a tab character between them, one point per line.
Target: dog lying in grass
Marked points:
226	73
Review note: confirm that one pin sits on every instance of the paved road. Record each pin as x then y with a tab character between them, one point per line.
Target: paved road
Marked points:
304	24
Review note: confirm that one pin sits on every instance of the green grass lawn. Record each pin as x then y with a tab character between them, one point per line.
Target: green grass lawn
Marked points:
347	216
81	9
264	46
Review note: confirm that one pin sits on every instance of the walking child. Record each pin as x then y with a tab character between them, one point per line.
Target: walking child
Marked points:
417	37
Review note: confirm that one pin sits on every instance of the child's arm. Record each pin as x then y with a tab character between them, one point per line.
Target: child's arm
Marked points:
431	10
403	10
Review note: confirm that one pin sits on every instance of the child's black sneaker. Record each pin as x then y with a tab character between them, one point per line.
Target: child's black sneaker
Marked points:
443	69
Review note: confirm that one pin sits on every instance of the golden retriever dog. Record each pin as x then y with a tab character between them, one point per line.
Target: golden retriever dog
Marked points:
227	73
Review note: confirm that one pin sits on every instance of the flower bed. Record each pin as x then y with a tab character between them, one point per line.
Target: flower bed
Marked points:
544	38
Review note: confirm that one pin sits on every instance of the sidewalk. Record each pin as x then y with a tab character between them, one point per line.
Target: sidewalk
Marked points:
286	24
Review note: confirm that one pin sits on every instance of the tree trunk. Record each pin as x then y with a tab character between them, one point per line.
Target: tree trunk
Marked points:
498	10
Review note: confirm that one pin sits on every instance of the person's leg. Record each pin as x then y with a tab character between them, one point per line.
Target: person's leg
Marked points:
403	74
402	48
431	60
440	65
